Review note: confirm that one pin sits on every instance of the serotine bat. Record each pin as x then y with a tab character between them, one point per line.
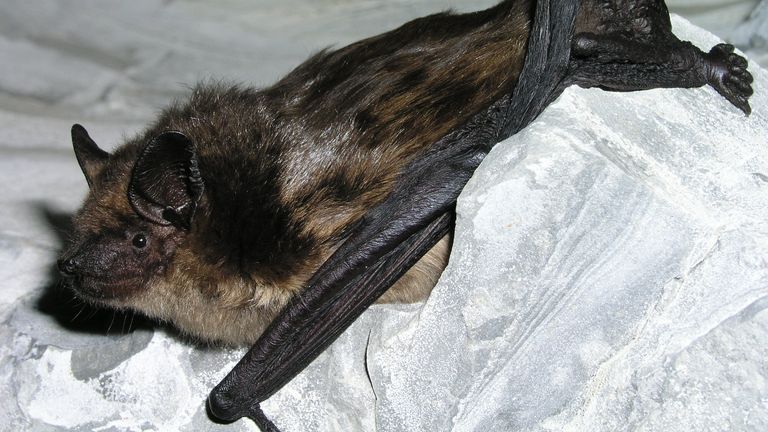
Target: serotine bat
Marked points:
298	205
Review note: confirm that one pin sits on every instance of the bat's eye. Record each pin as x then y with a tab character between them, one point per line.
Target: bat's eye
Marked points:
140	241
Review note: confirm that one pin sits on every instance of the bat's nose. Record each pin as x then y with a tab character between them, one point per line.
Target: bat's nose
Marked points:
67	267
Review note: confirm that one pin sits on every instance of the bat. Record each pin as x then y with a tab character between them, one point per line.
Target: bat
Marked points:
276	216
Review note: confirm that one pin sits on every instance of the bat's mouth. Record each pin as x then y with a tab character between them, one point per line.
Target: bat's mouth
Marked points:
102	289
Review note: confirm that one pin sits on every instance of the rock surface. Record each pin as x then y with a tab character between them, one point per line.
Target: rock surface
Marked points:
610	272
610	268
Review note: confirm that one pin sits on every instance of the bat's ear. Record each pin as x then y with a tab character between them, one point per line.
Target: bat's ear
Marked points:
90	157
166	184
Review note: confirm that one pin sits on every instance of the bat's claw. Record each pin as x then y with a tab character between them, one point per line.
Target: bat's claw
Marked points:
727	73
221	408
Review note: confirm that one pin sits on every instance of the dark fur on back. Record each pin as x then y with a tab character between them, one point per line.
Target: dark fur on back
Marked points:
287	170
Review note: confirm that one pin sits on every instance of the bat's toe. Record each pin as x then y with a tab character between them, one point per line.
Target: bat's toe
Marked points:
727	73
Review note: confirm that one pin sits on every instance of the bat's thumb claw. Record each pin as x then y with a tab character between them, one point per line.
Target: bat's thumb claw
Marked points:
223	409
220	407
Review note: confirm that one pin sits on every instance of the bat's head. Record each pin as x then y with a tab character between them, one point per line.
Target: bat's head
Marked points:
141	205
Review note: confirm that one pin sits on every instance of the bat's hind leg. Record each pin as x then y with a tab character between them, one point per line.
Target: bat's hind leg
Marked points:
630	46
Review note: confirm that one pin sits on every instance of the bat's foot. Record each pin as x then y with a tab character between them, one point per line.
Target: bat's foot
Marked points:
616	63
628	45
727	73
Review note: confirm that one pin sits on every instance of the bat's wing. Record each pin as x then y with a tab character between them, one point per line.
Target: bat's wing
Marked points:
391	237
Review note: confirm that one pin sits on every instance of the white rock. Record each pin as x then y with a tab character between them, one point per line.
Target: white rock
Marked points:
610	272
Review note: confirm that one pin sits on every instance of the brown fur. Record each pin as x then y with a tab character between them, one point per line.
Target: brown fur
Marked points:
288	169
417	283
